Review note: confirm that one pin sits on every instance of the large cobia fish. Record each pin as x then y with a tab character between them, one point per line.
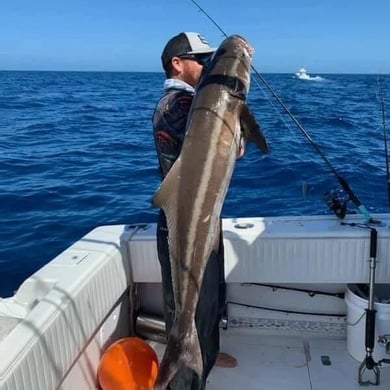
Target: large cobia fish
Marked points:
193	192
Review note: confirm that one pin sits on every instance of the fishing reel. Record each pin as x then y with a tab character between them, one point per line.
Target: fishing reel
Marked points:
337	201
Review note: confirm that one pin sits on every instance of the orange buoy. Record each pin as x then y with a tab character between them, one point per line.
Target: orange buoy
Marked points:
128	364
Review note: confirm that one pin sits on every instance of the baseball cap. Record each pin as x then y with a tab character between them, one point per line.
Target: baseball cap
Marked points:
185	43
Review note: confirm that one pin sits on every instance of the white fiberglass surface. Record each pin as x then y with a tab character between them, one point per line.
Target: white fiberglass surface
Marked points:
281	363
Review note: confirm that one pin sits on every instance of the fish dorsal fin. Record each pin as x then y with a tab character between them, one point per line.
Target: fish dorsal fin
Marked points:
166	198
167	191
252	130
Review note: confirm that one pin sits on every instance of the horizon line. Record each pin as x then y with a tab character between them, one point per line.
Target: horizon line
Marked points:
144	71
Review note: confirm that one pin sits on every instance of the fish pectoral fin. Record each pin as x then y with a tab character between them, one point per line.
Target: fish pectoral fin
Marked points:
181	350
252	130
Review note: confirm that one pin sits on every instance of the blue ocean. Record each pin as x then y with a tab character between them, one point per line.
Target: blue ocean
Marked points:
77	151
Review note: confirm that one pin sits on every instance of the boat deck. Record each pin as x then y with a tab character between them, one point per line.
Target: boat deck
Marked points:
282	362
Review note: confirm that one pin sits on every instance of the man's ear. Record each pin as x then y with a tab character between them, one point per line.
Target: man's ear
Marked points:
176	65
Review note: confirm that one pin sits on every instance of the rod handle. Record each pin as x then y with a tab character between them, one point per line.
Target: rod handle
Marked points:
370	329
373	242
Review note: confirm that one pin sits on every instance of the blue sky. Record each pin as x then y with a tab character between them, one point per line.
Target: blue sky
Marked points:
344	36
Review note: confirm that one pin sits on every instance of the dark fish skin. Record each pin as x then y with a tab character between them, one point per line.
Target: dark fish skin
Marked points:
193	192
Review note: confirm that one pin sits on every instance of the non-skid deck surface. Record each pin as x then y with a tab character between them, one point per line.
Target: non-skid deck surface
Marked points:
281	363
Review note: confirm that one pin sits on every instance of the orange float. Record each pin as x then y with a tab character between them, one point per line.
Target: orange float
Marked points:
128	364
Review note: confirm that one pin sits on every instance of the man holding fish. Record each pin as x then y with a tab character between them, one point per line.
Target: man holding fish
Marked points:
198	136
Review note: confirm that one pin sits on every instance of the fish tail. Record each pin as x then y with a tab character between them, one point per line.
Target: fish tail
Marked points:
181	350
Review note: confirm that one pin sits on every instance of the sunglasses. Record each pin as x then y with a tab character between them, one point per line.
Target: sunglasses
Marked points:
201	59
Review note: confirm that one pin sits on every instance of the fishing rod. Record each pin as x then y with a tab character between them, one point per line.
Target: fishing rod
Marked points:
331	202
380	85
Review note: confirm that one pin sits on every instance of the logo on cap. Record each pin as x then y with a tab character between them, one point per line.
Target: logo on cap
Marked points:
203	40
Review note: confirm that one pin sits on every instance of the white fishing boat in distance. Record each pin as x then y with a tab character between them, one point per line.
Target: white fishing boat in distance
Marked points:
303	75
295	314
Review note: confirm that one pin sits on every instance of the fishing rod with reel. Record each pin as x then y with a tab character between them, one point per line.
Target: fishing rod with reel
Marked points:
382	104
335	202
